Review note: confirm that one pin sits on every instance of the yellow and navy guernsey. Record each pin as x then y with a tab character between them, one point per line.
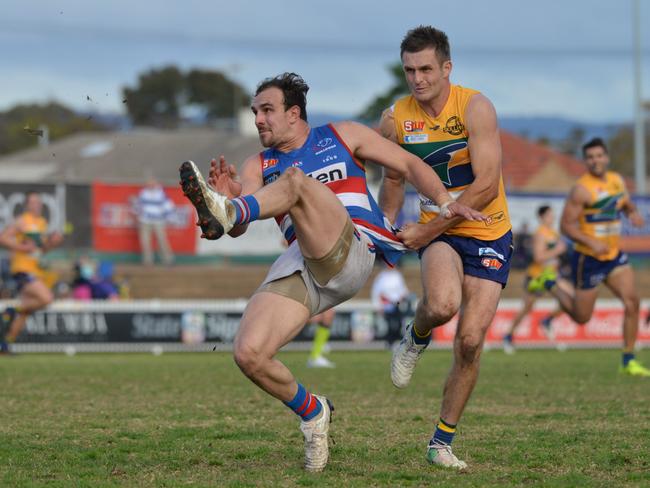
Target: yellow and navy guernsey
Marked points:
551	238
442	143
33	228
601	217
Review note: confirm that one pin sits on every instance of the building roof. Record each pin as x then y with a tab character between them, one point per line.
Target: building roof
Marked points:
128	157
528	166
134	156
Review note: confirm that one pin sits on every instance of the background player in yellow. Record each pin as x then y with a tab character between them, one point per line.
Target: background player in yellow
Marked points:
592	219
454	130
29	239
547	247
323	323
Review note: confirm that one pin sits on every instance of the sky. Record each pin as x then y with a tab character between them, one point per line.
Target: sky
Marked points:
568	58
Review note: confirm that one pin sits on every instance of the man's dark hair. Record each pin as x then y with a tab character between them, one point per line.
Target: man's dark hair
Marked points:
541	211
293	88
595	142
424	37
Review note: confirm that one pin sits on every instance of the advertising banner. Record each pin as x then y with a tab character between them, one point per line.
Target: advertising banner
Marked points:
217	322
65	207
114	223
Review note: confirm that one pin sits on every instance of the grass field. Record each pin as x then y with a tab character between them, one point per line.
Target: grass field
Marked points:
538	418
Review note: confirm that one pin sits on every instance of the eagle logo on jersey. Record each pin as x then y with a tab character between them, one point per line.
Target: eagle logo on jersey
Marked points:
439	159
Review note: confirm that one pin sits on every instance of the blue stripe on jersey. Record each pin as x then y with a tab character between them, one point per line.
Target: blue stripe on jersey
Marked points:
325	156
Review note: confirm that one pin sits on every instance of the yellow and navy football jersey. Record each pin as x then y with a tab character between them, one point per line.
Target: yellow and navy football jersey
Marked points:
551	238
33	228
601	216
442	143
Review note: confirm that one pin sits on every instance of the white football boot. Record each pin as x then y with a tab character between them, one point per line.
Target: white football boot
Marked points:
216	213
320	362
441	455
405	356
316	437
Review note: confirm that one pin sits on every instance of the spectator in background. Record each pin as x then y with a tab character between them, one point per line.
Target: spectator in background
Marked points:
92	282
388	290
152	208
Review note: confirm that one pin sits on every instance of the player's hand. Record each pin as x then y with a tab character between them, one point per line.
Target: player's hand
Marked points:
223	178
561	247
636	219
456	209
414	236
54	239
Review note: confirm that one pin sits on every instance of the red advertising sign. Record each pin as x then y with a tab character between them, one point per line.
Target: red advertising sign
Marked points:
115	227
604	328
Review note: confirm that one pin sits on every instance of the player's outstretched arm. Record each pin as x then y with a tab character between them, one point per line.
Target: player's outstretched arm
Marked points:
367	144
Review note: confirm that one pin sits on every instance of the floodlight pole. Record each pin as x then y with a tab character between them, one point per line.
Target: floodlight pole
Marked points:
639	132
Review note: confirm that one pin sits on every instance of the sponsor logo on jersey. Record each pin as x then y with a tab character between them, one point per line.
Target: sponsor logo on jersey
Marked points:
324	145
488	251
325	149
297	164
416	138
491	263
330	157
270	178
494	218
330	173
454	126
414	125
324	142
269	163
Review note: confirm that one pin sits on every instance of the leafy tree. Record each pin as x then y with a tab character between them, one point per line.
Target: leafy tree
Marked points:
216	93
157	98
621	149
161	94
573	142
399	88
60	121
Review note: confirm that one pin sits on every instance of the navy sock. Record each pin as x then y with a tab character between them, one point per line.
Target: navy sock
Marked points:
444	433
627	357
417	338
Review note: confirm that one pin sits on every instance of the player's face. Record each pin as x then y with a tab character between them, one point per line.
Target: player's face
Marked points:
425	75
271	118
597	160
34	205
548	219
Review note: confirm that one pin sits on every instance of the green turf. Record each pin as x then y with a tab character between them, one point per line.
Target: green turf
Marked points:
536	418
